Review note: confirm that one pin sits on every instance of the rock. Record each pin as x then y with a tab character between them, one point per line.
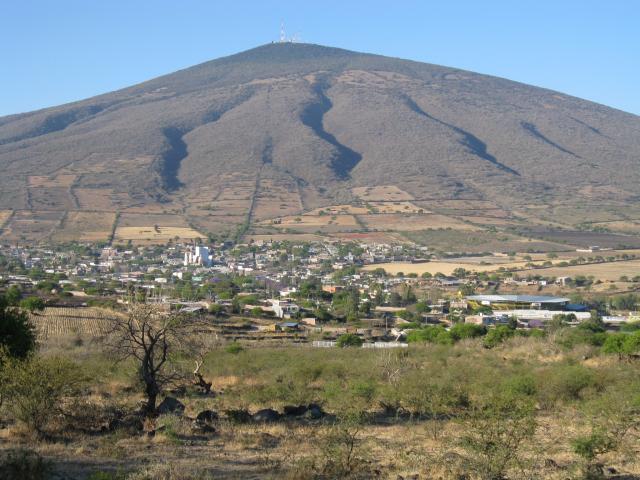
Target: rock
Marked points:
295	410
266	415
314	412
203	428
171	405
206	417
238	416
132	424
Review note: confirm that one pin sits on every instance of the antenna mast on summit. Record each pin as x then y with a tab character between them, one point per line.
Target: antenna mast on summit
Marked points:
283	35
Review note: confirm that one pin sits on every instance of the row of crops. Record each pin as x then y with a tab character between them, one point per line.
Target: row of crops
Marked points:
64	321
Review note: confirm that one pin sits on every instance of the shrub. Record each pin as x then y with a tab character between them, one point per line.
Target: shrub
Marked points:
498	335
234	348
32	304
35	389
24	465
495	432
17	335
461	331
349	340
567	383
521	385
430	334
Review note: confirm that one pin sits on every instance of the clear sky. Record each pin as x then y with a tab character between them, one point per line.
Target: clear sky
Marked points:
57	51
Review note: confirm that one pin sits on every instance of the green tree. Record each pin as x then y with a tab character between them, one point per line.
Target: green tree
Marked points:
497	335
17	334
32	304
13	295
349	340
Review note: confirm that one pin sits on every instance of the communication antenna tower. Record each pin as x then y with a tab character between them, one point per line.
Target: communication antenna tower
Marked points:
283	35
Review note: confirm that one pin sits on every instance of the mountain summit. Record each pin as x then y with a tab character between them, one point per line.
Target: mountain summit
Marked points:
286	128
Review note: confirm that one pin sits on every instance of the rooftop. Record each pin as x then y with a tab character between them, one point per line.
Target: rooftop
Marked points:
518	298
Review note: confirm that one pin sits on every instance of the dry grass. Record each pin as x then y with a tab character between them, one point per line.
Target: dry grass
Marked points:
94	198
610	271
64	181
382	193
409	223
85	227
153	234
51	198
4	216
446	268
31	225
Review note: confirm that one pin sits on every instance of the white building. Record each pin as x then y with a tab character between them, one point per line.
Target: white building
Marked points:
284	308
198	256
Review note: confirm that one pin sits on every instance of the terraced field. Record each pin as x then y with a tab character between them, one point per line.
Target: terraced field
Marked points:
86	322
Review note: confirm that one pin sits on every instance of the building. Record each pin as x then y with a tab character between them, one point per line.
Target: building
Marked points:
198	256
529	308
518	302
487	320
284	308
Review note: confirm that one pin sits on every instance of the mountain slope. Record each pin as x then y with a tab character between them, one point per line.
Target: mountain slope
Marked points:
285	128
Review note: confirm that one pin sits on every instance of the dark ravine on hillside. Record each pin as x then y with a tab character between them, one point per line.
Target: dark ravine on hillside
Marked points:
345	158
336	120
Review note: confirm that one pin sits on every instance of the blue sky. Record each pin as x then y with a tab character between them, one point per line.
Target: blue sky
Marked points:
52	52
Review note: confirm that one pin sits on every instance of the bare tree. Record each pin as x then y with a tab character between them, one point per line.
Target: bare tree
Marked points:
151	337
199	380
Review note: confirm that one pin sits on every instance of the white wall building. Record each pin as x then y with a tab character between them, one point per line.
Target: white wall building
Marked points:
197	256
284	308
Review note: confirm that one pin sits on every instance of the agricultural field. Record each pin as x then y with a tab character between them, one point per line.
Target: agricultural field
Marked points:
406	223
619	226
607	272
4	216
446	240
85	227
155	234
583	239
276	198
84	322
50	198
394	207
290	237
30	225
371	237
315	223
381	193
446	268
346	209
51	181
95	198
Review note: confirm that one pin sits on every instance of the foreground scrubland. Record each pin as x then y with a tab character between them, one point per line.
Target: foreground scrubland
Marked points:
528	408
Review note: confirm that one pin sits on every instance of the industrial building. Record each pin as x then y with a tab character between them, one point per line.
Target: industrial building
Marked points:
518	302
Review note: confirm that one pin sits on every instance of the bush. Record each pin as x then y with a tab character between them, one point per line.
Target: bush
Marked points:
215	309
234	348
17	335
430	334
498	335
461	331
349	340
567	383
24	465
622	344
32	304
34	389
495	431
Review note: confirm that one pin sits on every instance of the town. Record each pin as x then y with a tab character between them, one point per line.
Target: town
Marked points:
267	293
